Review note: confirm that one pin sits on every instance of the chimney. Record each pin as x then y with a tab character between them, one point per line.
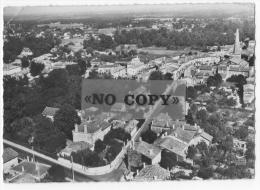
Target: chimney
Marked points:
76	128
85	129
150	151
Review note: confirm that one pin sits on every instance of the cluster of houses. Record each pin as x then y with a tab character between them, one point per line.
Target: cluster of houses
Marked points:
22	170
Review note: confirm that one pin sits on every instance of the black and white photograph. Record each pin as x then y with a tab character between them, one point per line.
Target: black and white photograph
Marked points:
128	93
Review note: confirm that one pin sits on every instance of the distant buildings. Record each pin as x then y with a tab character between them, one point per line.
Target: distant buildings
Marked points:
135	67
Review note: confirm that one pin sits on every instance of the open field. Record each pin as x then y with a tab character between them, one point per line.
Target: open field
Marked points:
161	51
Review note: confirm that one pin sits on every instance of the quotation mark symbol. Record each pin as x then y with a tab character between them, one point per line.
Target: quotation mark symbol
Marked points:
88	99
175	100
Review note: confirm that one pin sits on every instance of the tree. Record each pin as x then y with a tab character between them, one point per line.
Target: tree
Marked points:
55	174
25	62
47	137
191	93
191	152
156	75
36	68
65	120
242	132
117	133
168	159
149	136
250	152
205	173
168	76
22	128
93	74
212	107
214	81
227	143
99	146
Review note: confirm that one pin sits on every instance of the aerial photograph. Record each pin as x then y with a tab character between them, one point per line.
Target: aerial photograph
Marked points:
128	93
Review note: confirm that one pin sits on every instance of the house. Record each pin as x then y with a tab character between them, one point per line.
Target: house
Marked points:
162	122
50	112
249	93
181	138
239	144
151	153
75	147
152	173
10	158
29	172
92	129
25	52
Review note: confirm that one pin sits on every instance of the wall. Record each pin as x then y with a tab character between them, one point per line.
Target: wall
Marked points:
97	170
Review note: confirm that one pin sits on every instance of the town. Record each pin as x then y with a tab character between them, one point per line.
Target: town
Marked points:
50	137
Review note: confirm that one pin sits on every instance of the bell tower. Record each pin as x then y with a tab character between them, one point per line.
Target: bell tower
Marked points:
237	48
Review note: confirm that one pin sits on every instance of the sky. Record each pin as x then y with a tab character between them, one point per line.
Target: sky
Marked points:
105	2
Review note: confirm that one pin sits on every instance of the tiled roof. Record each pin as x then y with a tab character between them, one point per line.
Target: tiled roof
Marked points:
148	150
206	136
50	111
32	168
93	126
172	145
205	67
9	154
239	61
152	172
183	135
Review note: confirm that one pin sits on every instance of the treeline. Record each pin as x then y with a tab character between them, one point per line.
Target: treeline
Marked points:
14	45
23	106
217	33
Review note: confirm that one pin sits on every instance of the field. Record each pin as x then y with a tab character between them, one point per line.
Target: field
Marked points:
161	51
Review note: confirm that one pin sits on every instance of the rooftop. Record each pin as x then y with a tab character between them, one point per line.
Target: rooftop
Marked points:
9	154
75	147
50	111
152	172
172	145
146	149
33	168
183	135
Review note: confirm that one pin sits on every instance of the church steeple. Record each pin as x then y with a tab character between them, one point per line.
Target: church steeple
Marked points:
237	48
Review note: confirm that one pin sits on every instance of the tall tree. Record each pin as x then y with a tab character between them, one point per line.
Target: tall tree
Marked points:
65	120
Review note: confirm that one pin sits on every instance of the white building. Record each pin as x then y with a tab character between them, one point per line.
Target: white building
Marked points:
135	67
